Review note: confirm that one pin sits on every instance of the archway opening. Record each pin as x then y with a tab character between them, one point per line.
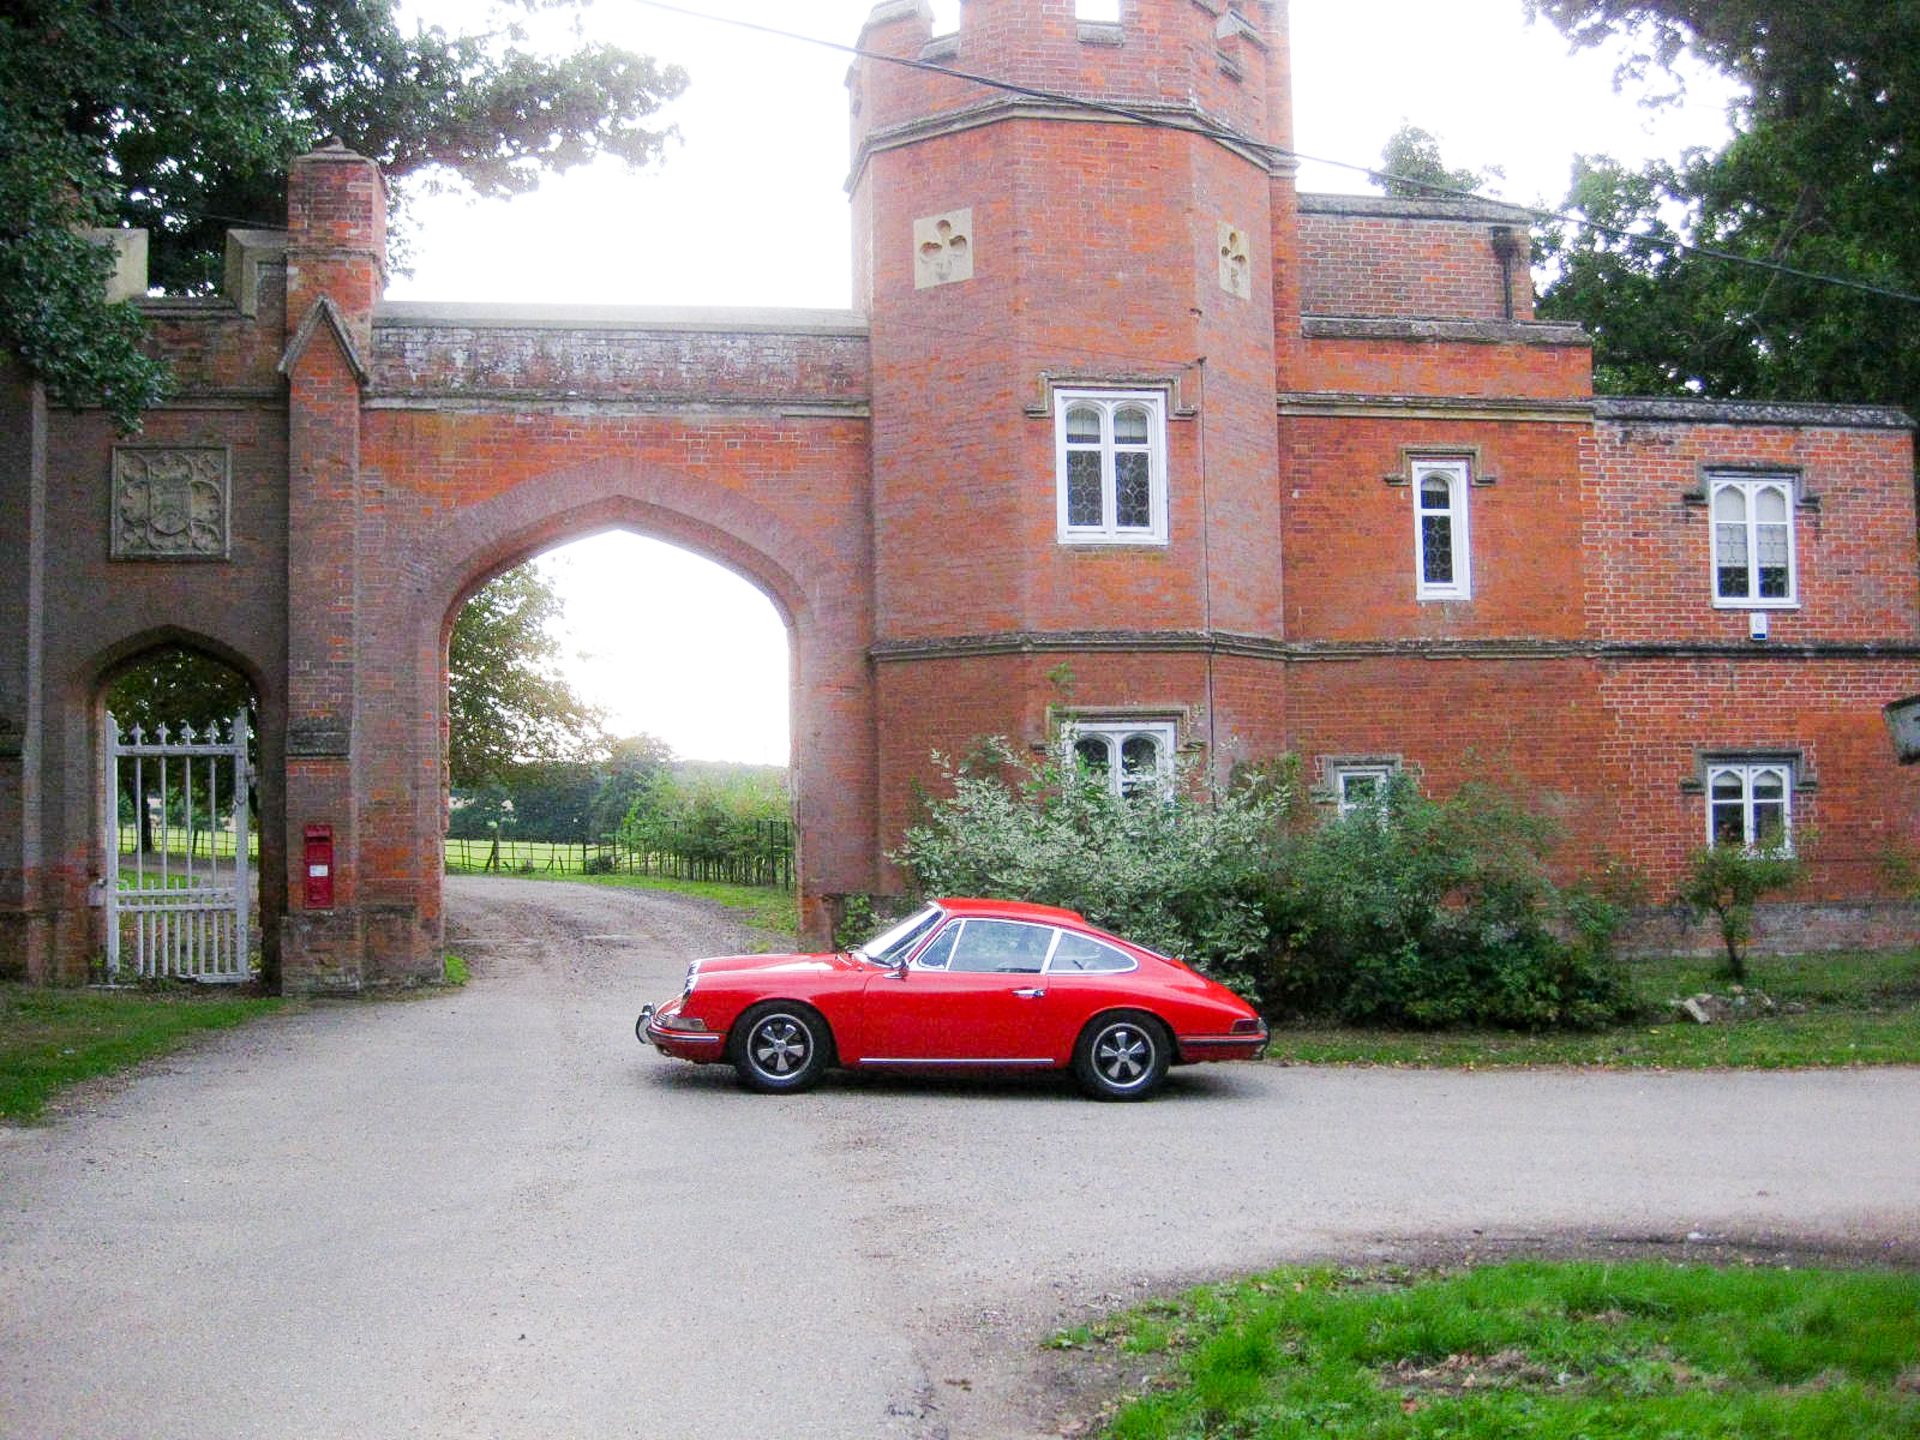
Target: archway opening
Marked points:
619	705
181	820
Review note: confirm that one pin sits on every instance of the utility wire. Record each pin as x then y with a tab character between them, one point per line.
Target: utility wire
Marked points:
1277	152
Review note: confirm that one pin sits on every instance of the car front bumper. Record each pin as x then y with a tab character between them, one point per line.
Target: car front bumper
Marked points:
699	1046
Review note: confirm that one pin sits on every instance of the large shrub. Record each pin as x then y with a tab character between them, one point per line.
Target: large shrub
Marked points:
1431	913
1178	869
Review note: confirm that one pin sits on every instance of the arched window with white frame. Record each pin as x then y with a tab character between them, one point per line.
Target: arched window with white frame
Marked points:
1750	804
1443	564
1130	756
1110	450
1753	542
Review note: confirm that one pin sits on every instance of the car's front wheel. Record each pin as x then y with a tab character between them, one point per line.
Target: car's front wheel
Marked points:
1123	1056
780	1048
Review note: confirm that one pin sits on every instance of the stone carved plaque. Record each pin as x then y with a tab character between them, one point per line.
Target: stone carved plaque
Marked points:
170	503
1236	265
943	249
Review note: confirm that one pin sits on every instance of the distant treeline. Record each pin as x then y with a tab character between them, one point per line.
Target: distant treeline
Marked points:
638	811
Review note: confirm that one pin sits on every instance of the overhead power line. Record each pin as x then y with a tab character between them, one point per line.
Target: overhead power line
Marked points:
1277	152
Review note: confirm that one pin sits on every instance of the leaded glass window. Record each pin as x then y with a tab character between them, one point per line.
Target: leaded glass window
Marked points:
1440	530
1753	551
1111	451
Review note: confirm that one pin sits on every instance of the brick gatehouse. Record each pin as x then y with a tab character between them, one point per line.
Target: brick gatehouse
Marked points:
1125	435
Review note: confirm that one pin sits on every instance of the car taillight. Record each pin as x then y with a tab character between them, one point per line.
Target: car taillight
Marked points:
1248	1027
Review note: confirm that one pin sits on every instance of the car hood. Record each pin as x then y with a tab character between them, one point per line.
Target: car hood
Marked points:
731	966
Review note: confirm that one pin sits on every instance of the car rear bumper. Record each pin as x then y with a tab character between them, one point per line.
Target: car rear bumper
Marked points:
1197	1048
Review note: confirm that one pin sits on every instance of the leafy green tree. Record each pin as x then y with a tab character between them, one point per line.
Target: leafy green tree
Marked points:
1726	881
1822	175
182	118
507	704
1411	168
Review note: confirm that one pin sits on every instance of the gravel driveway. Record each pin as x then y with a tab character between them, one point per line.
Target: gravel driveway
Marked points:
491	1213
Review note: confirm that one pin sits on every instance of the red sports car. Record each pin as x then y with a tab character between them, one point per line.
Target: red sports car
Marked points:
959	983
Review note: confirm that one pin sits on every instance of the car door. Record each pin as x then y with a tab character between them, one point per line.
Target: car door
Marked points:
974	995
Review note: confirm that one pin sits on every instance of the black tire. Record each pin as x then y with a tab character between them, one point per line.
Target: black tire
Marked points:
1122	1056
780	1048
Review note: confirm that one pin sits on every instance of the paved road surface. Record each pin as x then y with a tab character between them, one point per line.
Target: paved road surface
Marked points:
492	1214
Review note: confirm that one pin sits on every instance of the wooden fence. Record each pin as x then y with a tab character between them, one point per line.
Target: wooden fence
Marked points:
766	860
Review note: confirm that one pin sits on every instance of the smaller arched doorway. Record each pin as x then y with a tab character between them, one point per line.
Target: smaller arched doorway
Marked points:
180	829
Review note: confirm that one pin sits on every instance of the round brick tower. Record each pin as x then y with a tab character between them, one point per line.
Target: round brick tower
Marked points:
1071	278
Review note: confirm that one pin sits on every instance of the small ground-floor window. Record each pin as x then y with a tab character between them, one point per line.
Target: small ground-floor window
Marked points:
1130	754
1750	804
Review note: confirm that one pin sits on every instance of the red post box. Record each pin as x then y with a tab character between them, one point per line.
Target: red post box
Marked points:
319	867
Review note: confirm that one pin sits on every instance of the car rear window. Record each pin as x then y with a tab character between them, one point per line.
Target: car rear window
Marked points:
1082	954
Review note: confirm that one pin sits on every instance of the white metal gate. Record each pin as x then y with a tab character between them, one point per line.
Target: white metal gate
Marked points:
179	878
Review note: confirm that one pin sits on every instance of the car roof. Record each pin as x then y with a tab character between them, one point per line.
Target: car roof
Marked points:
1011	909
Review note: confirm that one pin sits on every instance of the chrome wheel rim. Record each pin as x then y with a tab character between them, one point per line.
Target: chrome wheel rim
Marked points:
779	1047
1123	1055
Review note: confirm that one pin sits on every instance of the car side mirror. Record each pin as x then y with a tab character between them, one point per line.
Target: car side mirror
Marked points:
900	968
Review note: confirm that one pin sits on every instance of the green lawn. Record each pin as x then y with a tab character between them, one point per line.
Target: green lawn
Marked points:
51	1038
1582	1351
1828	1010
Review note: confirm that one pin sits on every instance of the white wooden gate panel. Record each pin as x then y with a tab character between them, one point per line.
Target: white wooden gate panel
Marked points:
179	907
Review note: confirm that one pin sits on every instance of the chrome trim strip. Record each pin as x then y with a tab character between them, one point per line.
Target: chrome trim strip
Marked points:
910	1060
704	1036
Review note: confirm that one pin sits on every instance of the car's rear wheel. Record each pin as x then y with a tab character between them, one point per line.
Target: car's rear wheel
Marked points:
1122	1056
779	1048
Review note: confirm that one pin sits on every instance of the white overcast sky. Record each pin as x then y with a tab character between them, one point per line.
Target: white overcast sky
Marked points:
748	208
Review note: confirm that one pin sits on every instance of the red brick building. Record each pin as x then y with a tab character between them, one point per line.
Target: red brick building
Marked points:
1125	435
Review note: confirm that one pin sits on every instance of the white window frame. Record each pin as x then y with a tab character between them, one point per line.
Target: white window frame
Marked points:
1750	487
1748	771
1458	475
1339	774
1109	531
1116	733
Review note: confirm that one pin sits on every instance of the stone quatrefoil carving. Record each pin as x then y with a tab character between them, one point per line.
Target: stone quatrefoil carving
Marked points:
1236	264
943	249
170	503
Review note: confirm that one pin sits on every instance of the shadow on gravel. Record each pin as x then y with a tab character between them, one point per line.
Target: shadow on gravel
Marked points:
1010	1087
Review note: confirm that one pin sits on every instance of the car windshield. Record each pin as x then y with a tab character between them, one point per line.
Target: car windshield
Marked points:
892	944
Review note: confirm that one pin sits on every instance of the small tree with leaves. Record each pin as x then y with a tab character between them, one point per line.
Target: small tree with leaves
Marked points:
1726	881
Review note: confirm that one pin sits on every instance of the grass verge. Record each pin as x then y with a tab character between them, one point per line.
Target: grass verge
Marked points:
1827	1010
1637	1351
50	1039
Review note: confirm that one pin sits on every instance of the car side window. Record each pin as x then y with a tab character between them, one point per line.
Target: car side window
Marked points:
1001	947
1082	954
936	955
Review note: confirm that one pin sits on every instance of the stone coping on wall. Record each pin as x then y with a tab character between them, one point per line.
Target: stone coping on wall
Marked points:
717	320
1469	332
1023	642
1686	411
1399	207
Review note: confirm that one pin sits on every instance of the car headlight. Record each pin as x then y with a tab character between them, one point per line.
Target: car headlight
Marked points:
672	1019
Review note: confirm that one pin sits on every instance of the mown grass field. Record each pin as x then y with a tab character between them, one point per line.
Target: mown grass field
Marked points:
50	1039
1827	1010
1581	1351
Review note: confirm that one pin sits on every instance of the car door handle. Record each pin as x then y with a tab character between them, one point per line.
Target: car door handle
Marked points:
1029	994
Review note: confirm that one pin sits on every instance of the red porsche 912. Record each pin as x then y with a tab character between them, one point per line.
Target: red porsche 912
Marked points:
959	983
